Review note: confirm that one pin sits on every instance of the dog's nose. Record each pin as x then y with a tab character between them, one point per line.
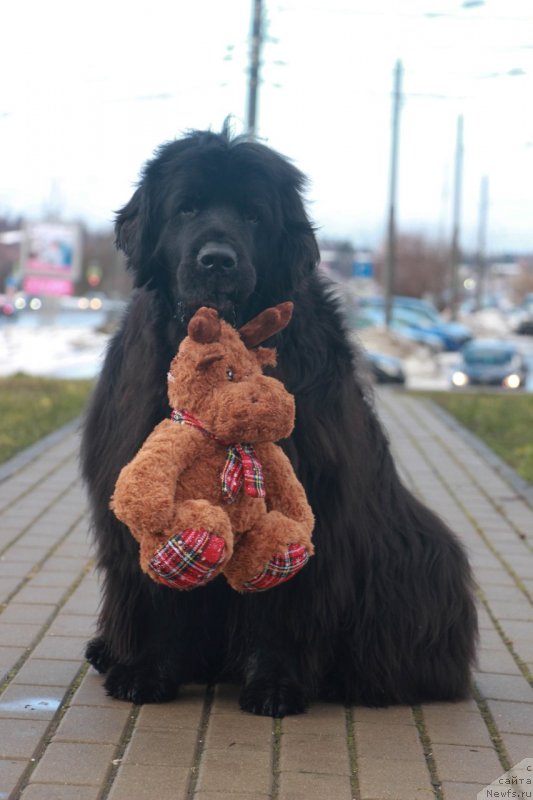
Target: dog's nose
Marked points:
215	256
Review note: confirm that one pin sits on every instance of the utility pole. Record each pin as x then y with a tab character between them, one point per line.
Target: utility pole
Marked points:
482	241
391	234
456	251
255	65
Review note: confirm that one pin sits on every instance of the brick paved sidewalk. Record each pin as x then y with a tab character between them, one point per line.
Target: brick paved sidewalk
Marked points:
61	738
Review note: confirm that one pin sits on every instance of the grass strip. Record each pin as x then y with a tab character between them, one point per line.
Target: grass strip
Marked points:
503	421
32	407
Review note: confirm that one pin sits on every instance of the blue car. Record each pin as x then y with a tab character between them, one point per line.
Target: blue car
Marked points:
422	316
488	362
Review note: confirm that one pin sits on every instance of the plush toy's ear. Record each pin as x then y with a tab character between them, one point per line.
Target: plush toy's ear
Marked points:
266	356
266	324
204	327
208	361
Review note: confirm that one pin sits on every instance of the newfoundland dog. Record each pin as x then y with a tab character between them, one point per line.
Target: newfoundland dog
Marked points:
384	613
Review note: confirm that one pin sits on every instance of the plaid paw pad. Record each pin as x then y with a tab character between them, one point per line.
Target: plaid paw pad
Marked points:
279	569
189	558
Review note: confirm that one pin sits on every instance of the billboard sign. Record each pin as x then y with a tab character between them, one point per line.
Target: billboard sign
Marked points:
51	258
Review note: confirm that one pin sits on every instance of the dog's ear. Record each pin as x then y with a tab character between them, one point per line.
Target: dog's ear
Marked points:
299	253
133	235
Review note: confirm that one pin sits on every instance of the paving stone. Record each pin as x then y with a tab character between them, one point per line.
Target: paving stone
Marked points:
23	614
74	763
226	730
47	791
521	611
71	625
312	786
47	672
12	570
394	715
327	755
497	661
39	595
183	713
459	727
230	796
18	635
61	647
20	737
21	701
100	725
9	656
504	687
140	782
91	692
518	746
466	763
512	717
443	711
320	719
10	773
390	741
461	791
161	748
48	578
393	779
9	587
237	769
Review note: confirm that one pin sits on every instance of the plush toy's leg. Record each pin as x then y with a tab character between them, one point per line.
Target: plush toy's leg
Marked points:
280	568
197	551
270	554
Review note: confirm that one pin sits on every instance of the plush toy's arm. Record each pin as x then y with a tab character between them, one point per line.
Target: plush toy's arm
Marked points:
144	493
284	492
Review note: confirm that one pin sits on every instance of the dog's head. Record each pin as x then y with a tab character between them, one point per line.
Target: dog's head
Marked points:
218	222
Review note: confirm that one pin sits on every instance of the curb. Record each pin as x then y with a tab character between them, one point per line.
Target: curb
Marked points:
520	486
25	457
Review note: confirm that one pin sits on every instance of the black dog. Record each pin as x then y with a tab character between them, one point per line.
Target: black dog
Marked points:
384	613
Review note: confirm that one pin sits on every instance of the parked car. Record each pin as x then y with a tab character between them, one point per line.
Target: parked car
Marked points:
371	316
422	316
7	306
522	317
488	362
385	368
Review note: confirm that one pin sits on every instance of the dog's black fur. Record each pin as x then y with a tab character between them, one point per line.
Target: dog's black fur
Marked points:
384	613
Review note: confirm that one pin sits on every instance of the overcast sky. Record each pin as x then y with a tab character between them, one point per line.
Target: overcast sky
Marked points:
89	90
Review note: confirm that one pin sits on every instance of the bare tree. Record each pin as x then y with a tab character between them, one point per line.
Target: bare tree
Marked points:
421	266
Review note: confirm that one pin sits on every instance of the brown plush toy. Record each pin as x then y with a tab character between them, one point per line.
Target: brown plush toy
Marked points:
209	491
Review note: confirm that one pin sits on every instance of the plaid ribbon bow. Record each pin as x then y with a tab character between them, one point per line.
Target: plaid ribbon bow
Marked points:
242	466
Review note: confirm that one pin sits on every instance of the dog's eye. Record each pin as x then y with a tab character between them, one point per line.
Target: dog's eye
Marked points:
188	209
252	216
229	373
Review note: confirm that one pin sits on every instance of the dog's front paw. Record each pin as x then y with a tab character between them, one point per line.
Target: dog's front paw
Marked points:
141	684
98	654
273	700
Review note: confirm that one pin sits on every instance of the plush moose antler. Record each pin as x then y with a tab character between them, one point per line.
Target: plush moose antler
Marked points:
204	327
266	324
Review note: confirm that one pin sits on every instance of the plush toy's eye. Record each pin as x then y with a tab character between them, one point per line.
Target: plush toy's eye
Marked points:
229	373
